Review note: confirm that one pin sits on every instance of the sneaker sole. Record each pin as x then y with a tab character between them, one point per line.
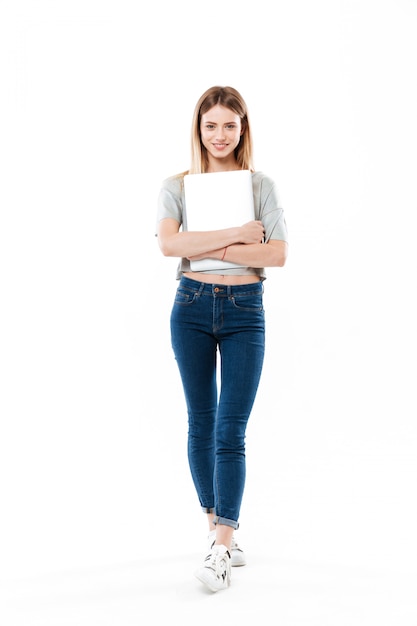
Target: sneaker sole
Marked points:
206	580
237	561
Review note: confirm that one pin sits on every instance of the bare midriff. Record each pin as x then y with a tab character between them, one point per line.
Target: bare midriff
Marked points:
222	279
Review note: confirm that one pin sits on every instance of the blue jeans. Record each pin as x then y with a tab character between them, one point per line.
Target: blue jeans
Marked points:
206	318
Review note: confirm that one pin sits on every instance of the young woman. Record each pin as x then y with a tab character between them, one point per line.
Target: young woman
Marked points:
220	312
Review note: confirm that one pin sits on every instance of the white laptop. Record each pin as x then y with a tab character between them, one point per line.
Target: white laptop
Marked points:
215	201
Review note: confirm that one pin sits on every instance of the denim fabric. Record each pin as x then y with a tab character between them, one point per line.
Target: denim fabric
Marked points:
208	319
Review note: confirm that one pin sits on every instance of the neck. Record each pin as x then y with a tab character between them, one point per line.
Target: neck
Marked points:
222	165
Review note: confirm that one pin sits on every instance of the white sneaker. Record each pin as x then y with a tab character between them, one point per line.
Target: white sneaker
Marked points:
215	572
237	555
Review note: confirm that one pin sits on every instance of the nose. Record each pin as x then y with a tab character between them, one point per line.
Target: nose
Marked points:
220	133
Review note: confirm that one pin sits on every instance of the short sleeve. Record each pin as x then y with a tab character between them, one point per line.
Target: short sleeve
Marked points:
170	200
269	209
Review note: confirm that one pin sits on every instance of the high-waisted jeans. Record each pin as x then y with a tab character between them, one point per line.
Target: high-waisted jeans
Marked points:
206	318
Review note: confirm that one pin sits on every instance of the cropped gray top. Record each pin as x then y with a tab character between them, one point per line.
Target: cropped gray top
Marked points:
171	203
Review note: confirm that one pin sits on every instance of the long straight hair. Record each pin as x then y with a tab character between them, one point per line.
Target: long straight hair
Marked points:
231	99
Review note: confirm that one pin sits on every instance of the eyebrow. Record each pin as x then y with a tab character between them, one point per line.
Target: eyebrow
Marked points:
215	123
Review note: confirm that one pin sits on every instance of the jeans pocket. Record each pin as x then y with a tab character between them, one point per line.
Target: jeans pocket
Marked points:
252	302
184	297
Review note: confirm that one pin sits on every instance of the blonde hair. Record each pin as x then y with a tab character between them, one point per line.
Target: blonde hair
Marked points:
231	99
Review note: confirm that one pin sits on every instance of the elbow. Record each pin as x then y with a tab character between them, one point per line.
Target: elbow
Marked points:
282	259
165	248
280	255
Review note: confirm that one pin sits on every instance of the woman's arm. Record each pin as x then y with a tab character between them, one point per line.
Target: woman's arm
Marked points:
271	254
174	242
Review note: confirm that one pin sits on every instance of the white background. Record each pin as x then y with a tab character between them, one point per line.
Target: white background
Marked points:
96	102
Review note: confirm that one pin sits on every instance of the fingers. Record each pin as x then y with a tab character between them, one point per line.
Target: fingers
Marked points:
253	232
262	230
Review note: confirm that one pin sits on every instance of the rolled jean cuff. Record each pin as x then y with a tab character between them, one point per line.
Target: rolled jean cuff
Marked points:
206	509
226	522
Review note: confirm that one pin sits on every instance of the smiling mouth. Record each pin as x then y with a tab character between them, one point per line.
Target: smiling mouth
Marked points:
220	146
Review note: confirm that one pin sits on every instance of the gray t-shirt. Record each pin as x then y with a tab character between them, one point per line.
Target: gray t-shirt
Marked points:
171	203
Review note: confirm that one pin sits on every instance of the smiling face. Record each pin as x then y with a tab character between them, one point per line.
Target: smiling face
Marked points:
220	131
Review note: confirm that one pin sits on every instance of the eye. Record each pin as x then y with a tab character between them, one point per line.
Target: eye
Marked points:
209	126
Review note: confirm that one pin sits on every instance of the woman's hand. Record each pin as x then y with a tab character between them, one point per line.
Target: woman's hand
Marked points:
252	232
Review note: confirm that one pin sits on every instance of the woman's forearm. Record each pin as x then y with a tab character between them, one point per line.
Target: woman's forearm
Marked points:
187	244
272	254
174	242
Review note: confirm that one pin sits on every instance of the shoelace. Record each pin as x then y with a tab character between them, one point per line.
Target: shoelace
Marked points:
218	563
